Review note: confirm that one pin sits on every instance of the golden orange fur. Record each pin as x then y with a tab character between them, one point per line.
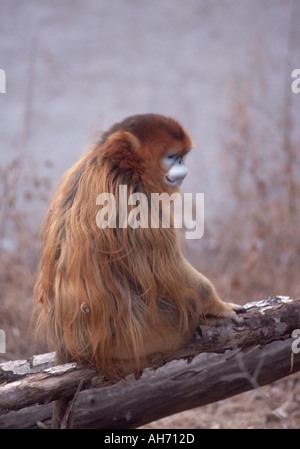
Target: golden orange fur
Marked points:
109	297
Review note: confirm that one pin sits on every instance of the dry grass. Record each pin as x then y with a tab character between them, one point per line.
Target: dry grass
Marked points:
254	249
19	256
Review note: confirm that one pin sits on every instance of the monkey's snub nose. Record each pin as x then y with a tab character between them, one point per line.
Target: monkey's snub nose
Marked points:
173	181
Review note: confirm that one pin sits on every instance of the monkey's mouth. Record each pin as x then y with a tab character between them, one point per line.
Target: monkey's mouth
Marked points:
175	182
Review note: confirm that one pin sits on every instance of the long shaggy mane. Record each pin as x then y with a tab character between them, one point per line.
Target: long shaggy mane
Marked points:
101	292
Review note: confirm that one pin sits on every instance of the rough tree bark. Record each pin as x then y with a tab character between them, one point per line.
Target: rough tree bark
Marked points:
232	360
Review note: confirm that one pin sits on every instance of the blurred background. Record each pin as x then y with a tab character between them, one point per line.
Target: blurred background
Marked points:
222	69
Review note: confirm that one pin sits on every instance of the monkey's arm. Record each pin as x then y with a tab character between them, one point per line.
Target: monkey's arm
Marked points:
213	307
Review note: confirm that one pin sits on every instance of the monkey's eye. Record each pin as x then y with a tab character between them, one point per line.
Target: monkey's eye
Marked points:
169	159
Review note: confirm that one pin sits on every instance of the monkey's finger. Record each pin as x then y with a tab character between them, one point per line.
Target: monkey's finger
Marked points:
237	308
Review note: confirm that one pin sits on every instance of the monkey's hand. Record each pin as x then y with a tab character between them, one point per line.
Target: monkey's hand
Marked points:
236	309
229	311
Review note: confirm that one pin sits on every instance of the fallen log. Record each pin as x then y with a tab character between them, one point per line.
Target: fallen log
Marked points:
242	358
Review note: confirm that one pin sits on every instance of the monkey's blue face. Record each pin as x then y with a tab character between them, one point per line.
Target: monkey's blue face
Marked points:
175	168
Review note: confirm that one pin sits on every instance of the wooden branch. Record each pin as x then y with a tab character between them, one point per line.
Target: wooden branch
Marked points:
178	387
175	387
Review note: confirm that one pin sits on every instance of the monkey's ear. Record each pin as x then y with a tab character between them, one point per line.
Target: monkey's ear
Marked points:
124	137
